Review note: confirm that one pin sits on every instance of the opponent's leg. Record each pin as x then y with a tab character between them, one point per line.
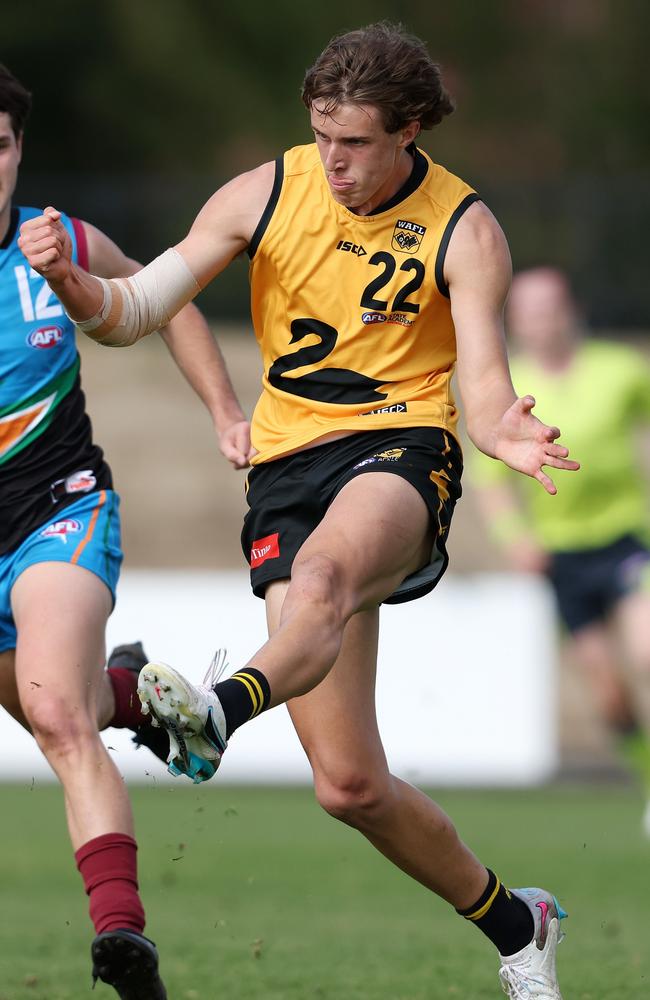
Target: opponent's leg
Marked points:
10	700
337	726
60	612
118	702
8	691
124	710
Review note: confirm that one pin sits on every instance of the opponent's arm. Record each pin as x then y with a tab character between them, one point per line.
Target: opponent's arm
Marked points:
120	311
478	272
193	348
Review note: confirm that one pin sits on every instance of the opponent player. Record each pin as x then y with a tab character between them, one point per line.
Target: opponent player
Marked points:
60	558
372	268
592	543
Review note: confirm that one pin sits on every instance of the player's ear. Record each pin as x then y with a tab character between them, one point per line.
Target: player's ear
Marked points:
409	133
19	145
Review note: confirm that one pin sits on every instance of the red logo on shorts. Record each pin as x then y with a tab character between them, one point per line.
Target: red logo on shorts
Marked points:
263	549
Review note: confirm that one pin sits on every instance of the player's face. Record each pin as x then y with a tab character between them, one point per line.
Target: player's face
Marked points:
364	164
10	152
541	315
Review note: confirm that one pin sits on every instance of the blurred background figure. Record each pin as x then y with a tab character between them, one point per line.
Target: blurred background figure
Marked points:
591	540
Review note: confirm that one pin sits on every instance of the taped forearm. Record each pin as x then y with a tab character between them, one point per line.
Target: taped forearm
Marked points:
134	307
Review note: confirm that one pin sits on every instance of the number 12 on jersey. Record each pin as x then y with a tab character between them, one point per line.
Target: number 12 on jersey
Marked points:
40	307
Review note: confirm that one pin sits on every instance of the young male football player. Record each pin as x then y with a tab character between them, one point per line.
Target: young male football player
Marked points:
373	270
60	558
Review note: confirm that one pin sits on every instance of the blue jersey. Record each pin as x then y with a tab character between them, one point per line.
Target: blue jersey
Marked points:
45	433
38	354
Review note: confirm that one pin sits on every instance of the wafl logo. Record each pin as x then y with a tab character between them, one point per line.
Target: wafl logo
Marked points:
61	529
45	337
407	236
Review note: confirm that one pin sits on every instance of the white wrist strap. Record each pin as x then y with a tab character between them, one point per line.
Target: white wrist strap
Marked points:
134	307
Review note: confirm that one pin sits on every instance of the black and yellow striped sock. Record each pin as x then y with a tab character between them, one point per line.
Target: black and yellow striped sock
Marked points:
502	917
242	697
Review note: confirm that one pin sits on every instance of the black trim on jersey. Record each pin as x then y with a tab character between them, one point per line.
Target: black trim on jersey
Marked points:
411	184
443	288
262	225
11	232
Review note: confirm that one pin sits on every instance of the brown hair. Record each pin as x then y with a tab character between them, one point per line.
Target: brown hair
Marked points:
15	100
384	66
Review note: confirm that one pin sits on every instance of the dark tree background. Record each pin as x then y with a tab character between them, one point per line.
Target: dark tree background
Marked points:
143	107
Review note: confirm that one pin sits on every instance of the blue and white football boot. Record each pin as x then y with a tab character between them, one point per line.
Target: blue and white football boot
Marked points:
191	714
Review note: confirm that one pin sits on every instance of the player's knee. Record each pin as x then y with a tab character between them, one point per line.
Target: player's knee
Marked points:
57	730
319	581
355	799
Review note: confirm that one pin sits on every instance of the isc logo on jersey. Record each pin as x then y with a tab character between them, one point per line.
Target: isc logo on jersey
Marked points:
61	529
45	337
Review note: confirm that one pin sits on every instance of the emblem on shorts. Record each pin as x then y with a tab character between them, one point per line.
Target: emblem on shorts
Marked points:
264	548
61	529
79	482
407	236
390	455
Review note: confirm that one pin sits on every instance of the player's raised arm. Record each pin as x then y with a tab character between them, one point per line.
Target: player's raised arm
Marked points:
193	348
118	312
478	272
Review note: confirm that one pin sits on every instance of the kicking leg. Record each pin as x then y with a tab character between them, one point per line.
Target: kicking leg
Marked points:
339	570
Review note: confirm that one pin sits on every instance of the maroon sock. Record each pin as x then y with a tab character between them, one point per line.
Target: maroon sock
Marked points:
108	866
127	713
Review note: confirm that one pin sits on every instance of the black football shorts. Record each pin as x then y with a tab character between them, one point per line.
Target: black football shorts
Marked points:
589	582
289	497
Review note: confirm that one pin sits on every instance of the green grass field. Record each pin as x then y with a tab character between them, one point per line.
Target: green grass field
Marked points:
255	893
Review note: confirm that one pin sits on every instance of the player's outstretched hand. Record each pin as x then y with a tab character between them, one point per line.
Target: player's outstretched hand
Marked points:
527	445
235	444
47	246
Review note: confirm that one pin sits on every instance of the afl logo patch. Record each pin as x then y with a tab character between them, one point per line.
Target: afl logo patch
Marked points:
407	236
45	337
61	529
369	318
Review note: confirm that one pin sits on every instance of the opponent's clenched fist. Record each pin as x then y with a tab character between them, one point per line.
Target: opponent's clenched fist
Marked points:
47	246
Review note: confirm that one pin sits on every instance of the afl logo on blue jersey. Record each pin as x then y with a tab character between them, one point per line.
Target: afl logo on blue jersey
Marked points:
45	337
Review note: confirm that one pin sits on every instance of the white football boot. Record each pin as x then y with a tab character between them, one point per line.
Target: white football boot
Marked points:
184	710
530	974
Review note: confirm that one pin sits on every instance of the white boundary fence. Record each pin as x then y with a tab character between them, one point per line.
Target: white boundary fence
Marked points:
465	693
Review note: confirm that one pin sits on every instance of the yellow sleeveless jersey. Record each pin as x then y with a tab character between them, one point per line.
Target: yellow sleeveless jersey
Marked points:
351	312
